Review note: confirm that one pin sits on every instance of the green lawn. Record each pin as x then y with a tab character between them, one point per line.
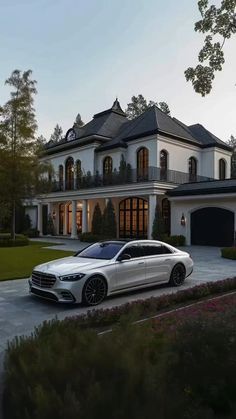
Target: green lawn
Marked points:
17	262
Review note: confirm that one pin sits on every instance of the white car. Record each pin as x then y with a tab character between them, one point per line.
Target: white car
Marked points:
108	268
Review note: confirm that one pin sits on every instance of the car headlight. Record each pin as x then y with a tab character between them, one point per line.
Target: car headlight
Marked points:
71	278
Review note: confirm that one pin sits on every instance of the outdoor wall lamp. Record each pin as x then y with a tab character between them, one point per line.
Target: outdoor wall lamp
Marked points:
183	220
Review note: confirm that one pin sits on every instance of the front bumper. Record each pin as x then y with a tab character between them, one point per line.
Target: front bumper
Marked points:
60	292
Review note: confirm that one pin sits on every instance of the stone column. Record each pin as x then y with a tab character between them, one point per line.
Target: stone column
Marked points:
50	208
85	216
151	213
73	221
40	219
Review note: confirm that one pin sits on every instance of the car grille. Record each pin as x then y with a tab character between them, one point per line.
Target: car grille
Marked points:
43	280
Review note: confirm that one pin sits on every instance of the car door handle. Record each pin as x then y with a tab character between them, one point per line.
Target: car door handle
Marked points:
141	263
166	260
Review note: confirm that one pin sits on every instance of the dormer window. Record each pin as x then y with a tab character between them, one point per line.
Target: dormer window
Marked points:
192	169
222	169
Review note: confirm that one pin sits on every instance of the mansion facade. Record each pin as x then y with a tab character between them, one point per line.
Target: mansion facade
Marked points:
152	159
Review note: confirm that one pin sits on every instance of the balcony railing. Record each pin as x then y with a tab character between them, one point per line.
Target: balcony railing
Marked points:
131	176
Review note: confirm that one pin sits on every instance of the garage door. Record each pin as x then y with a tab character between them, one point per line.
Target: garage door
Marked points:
212	227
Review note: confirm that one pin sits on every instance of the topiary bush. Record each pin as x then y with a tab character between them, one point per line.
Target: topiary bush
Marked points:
97	220
176	240
228	253
31	232
7	241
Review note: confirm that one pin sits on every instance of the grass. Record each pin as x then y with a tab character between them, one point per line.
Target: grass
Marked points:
17	262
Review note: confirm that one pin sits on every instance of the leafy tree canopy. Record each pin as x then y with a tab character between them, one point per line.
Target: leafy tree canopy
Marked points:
218	24
139	104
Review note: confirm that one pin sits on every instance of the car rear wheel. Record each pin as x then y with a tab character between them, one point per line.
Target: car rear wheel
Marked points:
177	275
94	291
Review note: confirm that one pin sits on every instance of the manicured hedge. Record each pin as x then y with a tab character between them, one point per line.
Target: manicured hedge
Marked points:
7	241
135	372
176	240
228	252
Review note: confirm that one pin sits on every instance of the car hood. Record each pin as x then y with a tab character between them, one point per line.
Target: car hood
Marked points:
70	265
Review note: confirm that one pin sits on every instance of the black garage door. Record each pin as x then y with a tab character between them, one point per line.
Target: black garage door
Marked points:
212	226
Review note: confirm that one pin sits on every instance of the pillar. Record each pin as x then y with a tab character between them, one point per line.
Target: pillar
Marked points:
65	219
151	213
73	221
40	219
85	216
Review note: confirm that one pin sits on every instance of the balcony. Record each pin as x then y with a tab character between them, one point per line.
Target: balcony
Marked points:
131	176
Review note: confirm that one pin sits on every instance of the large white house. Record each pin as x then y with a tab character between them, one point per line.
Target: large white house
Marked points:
153	159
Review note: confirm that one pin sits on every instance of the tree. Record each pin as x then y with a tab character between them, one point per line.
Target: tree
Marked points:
139	104
17	131
97	220
219	24
57	134
78	121
109	221
232	143
159	226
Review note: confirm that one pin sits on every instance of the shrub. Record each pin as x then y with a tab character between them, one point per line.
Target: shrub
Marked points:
159	227
109	220
7	241
176	240
89	237
31	232
228	252
137	372
97	220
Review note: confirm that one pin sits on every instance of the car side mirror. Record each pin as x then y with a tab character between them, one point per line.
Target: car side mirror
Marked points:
124	256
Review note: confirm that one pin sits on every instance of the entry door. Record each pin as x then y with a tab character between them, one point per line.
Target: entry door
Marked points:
131	273
212	226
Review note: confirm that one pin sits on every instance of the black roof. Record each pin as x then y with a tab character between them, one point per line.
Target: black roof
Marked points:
205	188
114	129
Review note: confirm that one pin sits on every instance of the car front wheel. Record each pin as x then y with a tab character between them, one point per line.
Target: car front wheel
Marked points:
177	275
94	291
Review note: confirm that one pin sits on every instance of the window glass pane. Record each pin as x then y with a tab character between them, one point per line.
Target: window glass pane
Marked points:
101	250
134	251
166	250
150	250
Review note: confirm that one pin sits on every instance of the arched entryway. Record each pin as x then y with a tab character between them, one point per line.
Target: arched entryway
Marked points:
212	226
133	218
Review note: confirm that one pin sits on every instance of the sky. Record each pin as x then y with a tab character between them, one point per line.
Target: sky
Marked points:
85	53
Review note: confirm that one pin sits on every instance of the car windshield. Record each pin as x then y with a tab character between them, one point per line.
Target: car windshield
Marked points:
101	251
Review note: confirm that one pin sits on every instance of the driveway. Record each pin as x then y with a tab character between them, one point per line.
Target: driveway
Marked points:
20	312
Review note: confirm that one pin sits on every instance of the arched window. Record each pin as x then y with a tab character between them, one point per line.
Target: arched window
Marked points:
166	214
70	173
78	173
142	164
192	169
61	180
222	169
163	164
107	166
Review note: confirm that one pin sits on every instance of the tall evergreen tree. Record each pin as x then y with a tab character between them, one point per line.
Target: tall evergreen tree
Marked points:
17	131
97	220
57	134
159	226
78	121
109	221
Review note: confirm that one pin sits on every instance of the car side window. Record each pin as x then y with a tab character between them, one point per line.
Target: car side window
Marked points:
166	250
134	251
152	250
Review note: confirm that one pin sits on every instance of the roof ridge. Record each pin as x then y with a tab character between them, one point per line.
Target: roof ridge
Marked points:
140	118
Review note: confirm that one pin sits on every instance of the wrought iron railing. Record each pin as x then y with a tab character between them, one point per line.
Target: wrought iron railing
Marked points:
151	174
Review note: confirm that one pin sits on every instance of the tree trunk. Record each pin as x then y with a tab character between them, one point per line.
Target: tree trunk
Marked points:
13	220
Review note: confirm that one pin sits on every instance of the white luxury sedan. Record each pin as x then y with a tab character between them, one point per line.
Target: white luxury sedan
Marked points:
108	268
